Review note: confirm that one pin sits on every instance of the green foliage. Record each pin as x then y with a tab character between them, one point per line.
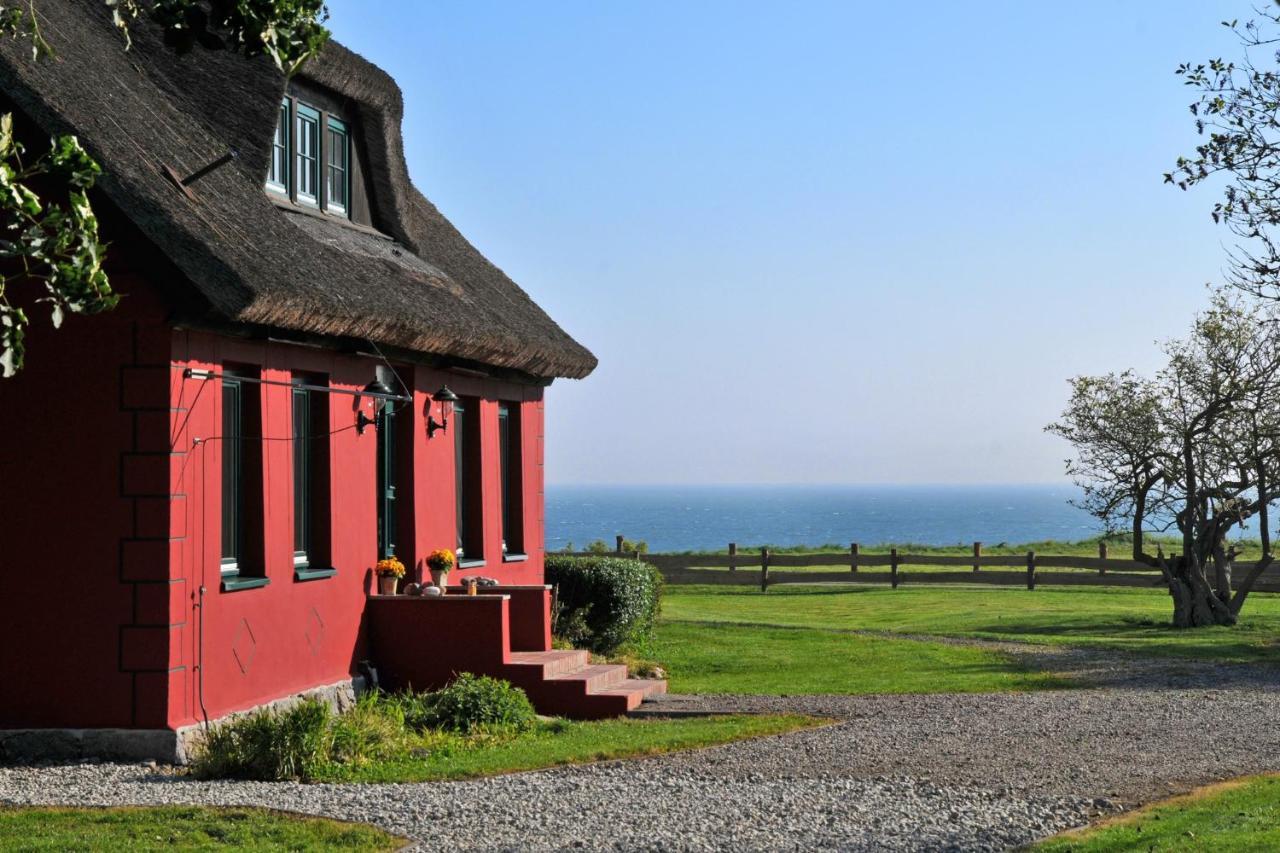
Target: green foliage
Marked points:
53	239
472	703
268	744
159	829
374	728
604	602
599	546
1239	815
17	22
289	31
559	742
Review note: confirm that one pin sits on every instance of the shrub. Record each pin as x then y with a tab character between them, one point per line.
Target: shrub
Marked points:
474	703
267	745
374	728
604	602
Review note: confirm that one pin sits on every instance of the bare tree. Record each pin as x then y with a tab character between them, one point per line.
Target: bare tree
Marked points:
1195	449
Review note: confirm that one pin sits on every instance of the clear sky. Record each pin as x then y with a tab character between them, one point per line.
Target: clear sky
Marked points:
839	242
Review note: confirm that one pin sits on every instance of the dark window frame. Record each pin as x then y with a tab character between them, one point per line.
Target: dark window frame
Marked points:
327	126
308	163
511	474
278	181
468	482
243	563
388	480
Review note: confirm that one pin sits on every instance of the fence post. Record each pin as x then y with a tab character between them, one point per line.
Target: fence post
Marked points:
1031	570
635	555
1102	553
893	567
764	569
733	556
618	549
977	555
853	557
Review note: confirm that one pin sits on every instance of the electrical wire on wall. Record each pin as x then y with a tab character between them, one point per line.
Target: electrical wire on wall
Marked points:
202	442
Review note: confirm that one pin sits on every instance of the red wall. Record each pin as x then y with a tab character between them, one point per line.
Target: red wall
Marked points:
85	517
263	643
110	519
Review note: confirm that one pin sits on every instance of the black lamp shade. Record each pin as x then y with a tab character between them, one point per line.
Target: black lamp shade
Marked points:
444	395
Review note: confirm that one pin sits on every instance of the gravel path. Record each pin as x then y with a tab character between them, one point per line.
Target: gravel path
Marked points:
945	772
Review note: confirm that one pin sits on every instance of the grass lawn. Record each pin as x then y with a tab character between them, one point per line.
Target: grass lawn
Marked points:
185	827
1113	617
1234	816
442	756
702	658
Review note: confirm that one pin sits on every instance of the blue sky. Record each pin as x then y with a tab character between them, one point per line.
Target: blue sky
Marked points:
843	242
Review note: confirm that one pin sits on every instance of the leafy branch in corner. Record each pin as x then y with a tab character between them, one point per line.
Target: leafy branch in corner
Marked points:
53	239
289	31
48	230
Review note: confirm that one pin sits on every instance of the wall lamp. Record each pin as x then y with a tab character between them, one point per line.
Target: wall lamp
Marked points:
446	399
380	392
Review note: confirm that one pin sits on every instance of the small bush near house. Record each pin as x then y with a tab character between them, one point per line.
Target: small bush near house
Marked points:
308	740
604	602
474	703
268	744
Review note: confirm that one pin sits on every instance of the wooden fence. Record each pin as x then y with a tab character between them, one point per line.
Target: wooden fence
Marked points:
1032	569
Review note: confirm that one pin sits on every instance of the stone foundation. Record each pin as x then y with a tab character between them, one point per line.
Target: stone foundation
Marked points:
38	746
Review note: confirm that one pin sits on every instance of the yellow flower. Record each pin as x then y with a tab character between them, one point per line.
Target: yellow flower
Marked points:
390	566
441	560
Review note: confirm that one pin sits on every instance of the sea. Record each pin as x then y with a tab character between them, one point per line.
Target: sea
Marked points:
694	518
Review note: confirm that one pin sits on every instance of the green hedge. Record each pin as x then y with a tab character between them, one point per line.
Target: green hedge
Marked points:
604	602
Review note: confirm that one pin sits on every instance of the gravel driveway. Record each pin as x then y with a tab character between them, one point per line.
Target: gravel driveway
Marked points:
967	772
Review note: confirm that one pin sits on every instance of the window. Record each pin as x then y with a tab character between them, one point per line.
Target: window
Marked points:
232	475
308	125
313	159
388	469
465	426
311	479
337	172
242	506
509	451
278	174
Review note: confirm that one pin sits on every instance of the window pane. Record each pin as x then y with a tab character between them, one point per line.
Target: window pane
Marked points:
337	171
278	175
459	428
232	476
302	468
504	454
308	152
387	462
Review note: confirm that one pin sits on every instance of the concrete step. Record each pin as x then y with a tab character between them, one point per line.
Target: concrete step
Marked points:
552	663
594	677
623	697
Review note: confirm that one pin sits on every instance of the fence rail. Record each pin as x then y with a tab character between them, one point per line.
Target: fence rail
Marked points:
753	567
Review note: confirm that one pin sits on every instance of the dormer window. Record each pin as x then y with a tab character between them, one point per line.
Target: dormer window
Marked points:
312	157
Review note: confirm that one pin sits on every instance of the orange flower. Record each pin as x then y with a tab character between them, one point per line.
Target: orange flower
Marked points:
441	560
390	566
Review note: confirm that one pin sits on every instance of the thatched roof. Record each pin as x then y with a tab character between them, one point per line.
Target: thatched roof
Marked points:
420	288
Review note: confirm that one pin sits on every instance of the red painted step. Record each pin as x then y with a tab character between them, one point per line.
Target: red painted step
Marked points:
565	683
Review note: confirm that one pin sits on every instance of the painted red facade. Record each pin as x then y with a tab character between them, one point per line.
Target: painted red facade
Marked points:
112	520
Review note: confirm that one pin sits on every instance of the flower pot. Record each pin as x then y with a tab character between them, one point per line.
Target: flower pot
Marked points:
387	584
440	578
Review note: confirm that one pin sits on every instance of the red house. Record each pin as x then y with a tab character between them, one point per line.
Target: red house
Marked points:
198	484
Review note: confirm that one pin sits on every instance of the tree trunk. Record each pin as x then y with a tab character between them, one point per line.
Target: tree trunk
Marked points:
1194	603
